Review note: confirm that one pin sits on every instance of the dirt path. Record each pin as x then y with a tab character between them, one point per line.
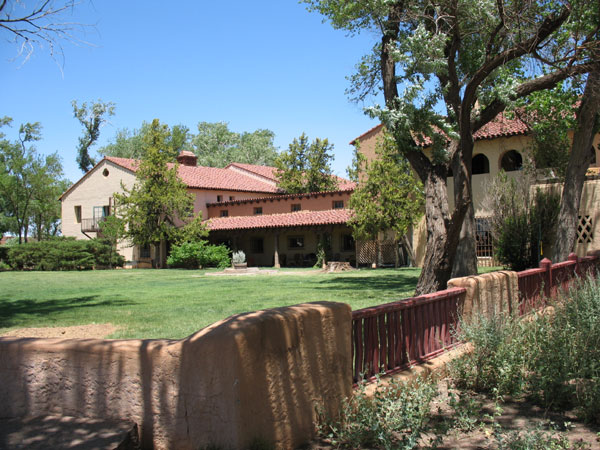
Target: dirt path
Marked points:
92	331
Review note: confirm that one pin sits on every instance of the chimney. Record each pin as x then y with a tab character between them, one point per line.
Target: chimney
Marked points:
186	158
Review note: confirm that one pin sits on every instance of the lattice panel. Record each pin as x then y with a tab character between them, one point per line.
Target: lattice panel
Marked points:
366	252
585	230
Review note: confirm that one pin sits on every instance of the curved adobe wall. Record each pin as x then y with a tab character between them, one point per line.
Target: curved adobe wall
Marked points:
255	375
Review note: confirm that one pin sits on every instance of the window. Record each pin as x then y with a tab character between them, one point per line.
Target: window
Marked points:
296	207
296	242
145	251
224	213
347	243
338	204
78	214
257	245
585	230
219	198
106	210
511	161
105	173
480	164
258	211
231	198
483	238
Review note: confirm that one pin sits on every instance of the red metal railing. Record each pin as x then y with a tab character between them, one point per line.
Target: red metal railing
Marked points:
390	337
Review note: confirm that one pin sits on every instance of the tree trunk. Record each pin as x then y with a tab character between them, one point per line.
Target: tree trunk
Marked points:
465	263
442	235
579	161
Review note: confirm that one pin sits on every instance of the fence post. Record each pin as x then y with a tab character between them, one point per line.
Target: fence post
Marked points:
573	257
546	264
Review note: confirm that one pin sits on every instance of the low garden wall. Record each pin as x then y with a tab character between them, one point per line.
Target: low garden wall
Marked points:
252	376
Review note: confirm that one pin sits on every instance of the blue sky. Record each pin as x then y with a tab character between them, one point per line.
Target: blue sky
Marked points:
263	64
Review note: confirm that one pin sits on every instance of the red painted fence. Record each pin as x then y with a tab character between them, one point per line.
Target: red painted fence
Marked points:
389	338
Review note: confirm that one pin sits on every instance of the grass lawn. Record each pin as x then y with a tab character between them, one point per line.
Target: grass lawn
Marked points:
175	303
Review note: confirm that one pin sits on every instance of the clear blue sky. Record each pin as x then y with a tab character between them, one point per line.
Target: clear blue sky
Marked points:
262	64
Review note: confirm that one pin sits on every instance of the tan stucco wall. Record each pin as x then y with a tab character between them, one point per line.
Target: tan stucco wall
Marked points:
316	202
203	196
94	189
489	293
254	375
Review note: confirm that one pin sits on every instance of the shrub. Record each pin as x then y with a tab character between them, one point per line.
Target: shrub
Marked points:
193	255
62	254
394	417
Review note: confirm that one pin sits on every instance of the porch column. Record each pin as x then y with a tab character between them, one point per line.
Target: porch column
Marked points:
276	254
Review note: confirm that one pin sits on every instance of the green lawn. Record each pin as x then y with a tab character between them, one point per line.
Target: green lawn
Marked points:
176	303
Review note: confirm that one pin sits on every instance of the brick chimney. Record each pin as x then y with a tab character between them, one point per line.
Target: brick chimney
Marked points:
186	158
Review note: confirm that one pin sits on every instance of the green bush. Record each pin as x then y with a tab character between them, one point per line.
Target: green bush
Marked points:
62	254
497	363
193	255
396	416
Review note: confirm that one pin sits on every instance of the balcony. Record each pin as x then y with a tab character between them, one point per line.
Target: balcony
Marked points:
91	225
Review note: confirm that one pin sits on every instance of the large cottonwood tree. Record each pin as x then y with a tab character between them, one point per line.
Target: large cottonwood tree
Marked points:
454	55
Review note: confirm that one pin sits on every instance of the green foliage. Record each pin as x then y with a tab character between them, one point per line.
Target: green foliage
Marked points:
195	255
129	144
554	356
216	146
498	361
388	196
63	254
394	417
522	219
159	198
91	117
306	167
29	185
537	439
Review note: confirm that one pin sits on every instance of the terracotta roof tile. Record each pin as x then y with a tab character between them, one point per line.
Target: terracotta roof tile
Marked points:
201	177
294	219
263	171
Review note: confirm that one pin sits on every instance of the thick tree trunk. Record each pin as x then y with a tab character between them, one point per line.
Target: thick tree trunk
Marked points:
579	161
465	263
442	235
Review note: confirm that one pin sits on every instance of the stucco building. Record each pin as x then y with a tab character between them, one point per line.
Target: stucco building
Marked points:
242	205
501	145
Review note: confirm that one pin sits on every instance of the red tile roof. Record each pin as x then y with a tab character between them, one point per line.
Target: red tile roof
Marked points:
501	126
286	220
264	171
201	177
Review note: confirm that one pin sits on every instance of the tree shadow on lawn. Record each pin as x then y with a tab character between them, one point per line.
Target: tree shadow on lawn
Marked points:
11	310
388	282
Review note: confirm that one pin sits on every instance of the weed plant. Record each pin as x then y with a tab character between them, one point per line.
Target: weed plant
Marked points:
553	357
395	416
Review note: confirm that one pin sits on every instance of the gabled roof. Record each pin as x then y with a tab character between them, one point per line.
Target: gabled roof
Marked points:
501	126
264	171
286	220
201	177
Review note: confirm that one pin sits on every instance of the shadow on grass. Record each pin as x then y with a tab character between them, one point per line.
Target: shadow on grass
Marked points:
388	282
12	310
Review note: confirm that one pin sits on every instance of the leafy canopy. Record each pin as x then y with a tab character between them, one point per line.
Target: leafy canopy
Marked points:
306	167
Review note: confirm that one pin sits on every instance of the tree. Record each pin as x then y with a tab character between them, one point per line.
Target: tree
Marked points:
454	55
38	24
29	183
112	228
216	146
92	117
388	197
588	124
306	167
128	144
159	199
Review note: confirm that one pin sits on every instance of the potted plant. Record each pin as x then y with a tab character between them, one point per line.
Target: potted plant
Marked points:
239	260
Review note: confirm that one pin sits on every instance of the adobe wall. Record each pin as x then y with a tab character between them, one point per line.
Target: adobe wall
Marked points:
489	293
254	375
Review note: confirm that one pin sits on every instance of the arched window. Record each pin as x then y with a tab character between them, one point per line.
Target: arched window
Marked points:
593	163
511	160
480	164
